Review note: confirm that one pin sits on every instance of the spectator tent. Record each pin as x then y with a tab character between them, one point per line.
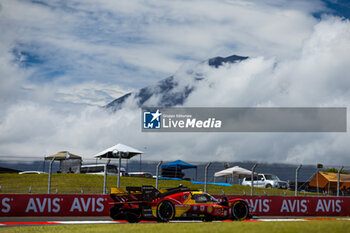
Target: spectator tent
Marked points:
328	181
68	162
174	169
63	157
126	152
119	151
235	171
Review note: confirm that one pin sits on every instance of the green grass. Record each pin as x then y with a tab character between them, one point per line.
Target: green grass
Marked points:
339	226
93	184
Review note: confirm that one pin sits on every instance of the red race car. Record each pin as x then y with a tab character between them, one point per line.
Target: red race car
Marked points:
148	203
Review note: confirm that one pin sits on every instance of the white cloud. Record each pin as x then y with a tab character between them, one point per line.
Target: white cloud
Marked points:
89	93
125	40
105	49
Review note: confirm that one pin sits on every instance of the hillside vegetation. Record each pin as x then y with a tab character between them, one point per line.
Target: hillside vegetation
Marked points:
93	184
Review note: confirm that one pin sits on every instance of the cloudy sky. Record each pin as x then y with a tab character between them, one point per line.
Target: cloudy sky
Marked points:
60	61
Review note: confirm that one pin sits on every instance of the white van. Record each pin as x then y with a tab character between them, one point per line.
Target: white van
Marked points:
98	169
265	181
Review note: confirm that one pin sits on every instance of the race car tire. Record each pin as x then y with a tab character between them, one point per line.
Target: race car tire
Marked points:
132	217
207	218
268	186
165	211
240	210
115	213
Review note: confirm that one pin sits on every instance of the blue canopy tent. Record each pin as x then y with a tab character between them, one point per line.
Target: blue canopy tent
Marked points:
179	165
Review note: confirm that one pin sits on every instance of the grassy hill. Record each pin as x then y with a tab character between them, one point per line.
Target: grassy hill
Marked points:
93	184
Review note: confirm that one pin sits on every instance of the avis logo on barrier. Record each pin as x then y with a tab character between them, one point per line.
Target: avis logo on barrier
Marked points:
152	120
259	205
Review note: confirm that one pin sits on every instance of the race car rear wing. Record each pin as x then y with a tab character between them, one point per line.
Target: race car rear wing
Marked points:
144	193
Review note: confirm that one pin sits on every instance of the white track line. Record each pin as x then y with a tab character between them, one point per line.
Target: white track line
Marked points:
280	220
119	222
297	219
86	222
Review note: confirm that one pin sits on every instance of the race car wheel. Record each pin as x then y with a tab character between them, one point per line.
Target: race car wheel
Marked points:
240	210
165	211
132	217
207	218
268	186
115	212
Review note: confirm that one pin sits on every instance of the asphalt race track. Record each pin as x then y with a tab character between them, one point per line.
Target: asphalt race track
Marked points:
35	221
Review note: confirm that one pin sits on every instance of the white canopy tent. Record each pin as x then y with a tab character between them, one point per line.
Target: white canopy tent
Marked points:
60	156
234	172
126	152
118	151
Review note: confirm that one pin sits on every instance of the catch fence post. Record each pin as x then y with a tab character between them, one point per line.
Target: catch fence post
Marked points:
105	176
157	173
119	165
50	172
296	180
252	177
206	176
338	181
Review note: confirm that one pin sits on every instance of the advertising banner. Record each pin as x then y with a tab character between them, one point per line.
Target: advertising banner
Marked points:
297	206
99	205
54	205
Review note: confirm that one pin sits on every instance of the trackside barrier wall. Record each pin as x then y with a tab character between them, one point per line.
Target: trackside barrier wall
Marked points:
99	205
54	205
296	206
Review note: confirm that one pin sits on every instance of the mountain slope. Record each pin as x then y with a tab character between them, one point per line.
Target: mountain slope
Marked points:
168	92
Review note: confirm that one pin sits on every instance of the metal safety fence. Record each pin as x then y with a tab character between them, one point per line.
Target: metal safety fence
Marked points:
301	180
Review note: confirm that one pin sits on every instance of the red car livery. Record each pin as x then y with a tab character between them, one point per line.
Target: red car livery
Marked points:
147	203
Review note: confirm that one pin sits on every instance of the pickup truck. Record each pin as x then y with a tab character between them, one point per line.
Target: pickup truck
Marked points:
265	181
